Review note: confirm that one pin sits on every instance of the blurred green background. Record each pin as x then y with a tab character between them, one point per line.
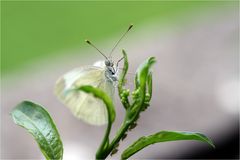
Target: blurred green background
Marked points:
36	30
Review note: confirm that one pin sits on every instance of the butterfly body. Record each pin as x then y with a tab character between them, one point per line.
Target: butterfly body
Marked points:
103	75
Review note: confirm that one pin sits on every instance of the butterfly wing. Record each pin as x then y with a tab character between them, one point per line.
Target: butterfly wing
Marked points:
83	105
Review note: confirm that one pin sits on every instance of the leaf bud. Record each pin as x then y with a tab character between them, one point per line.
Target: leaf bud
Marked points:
126	92
124	136
135	93
132	126
114	151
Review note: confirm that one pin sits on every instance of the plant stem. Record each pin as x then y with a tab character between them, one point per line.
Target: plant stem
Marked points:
101	152
117	138
119	135
123	129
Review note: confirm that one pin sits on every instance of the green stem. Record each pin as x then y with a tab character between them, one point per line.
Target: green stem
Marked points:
117	138
101	152
123	129
119	135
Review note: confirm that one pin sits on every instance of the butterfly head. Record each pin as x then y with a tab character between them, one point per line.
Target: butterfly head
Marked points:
110	67
109	63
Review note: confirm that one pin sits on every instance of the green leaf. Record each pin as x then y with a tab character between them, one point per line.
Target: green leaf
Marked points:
98	93
122	92
143	71
164	136
141	80
124	71
39	123
149	82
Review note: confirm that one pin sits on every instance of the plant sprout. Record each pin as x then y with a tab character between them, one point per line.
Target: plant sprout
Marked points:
38	122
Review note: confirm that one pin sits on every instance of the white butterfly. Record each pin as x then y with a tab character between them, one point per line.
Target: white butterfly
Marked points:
102	74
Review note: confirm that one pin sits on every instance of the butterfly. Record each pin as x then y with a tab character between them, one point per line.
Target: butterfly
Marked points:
102	74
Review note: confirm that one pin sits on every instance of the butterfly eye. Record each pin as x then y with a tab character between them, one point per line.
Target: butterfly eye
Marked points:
107	63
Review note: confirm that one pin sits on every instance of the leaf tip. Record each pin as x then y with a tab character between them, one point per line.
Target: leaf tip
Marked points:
124	52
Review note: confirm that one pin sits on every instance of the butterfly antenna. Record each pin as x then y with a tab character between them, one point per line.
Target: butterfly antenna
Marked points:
131	25
88	42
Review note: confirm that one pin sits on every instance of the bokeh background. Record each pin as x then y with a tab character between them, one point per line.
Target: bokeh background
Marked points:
196	78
